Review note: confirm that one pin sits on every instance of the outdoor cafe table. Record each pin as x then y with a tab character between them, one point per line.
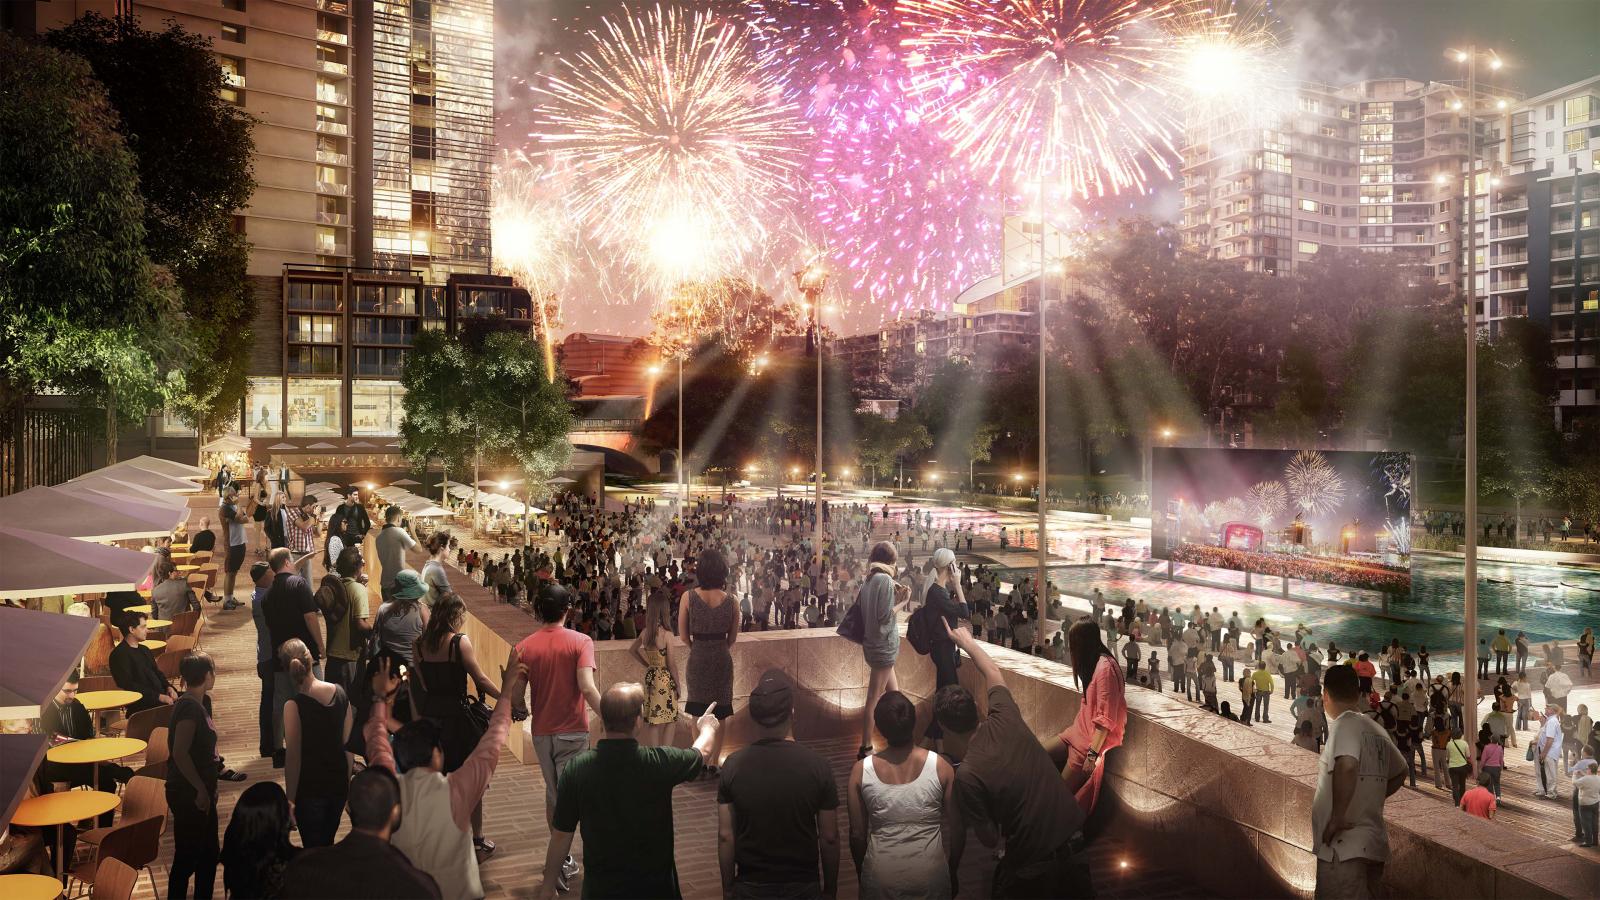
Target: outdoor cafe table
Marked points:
153	645
158	623
29	887
94	701
145	608
58	809
94	751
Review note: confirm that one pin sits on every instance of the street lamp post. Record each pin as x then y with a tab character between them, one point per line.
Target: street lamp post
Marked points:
1470	58
811	280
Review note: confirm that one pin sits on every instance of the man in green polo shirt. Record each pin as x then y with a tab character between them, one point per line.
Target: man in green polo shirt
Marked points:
621	795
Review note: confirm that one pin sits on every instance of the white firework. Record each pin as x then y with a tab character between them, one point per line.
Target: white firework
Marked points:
1266	500
1314	486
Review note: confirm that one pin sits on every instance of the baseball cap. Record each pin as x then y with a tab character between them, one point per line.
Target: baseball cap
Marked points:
772	701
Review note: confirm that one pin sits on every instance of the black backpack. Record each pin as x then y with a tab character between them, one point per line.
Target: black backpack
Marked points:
919	630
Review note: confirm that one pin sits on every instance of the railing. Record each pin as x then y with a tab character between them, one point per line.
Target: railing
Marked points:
1513	231
334	68
337	7
327	96
330	187
1507	259
333	37
325	126
328	218
1509	284
333	159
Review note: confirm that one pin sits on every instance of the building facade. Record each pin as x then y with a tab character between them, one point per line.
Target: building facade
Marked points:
1542	236
1377	166
288	63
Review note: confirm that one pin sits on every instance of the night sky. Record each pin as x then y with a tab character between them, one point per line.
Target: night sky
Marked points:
1544	43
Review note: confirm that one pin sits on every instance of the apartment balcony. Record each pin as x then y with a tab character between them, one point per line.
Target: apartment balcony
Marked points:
1560	226
1509	285
232	79
1509	259
1576	398
1568	361
333	248
337	7
330	96
333	68
326	127
333	187
333	37
333	159
1510	232
328	218
1515	204
1559	254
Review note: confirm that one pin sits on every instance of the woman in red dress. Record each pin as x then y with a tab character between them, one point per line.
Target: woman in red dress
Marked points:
1102	715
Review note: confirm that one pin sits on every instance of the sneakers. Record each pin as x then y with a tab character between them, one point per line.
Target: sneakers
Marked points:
569	871
231	604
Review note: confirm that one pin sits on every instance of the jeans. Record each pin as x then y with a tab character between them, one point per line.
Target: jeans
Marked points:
1458	783
1133	672
1062	875
1524	707
1590	816
1577	817
194	846
1263	703
345	673
1245	709
318	820
1522	662
1493	774
264	714
1227	669
1500	660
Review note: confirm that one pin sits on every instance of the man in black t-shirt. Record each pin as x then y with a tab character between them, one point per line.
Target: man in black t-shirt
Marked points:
290	610
777	807
134	667
1007	787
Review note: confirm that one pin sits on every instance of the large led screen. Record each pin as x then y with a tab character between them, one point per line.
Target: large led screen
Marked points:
1338	517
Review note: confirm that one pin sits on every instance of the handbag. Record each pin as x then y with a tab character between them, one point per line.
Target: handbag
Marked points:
853	627
1530	753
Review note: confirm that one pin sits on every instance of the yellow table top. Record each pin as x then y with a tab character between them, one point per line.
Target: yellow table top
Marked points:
143	592
97	700
179	548
145	608
29	887
95	750
157	623
63	807
176	552
187	567
153	645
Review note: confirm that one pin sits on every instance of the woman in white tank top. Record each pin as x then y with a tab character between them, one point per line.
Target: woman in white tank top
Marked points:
903	818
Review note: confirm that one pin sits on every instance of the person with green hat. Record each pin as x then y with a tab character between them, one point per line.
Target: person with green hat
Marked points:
401	619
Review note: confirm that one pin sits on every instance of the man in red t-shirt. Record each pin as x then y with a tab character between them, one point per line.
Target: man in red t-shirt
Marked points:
1480	800
560	664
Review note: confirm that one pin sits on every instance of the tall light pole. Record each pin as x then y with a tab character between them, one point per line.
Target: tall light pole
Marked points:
1470	57
1044	490
811	280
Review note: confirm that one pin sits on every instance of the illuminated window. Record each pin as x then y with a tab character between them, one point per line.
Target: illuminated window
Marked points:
1306	247
312	360
1310	205
1377	132
314	407
375	407
1579	110
316	296
313	329
1576	140
233	33
263	407
1275	162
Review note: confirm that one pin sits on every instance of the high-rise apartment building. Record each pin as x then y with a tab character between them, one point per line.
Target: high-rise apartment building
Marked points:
426	114
287	63
1376	166
1542	247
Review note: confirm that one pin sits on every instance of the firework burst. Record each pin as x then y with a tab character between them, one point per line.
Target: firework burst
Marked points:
1229	64
1069	91
682	142
1265	501
535	239
1314	485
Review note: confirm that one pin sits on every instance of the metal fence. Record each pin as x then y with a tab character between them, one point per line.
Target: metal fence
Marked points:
42	446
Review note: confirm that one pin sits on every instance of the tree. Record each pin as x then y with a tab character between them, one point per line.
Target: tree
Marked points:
882	443
980	447
735	313
193	151
518	408
82	309
435	422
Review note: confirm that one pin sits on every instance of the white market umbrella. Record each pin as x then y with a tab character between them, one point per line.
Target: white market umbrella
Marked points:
228	443
322	485
86	516
167	467
321	445
43	565
283	447
561	479
143	478
462	492
404	482
102	485
362	445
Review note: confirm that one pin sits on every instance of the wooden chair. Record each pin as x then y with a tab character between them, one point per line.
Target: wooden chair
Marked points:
142	724
114	880
168	663
135	844
144	797
179	644
97	682
155	756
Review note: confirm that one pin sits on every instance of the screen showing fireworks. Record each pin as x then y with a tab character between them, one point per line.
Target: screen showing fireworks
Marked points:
1333	516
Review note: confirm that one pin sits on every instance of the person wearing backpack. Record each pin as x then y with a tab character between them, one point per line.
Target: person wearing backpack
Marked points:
928	622
342	598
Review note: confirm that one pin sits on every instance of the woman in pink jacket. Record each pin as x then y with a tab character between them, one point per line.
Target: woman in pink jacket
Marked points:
1102	714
